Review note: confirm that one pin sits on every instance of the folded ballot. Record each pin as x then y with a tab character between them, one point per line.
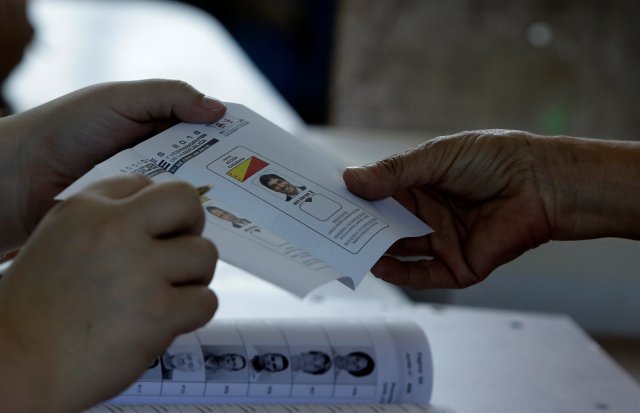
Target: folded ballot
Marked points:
275	206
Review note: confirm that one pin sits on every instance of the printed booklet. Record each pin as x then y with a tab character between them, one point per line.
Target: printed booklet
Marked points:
360	365
275	206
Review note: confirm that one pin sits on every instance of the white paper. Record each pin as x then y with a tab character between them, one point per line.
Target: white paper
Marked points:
300	237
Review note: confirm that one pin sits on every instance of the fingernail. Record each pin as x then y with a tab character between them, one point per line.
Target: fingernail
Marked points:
359	173
213	104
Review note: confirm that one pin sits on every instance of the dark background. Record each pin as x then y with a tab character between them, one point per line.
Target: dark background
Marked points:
290	41
438	66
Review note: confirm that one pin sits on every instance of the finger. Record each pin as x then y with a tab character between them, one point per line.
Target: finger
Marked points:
421	274
422	165
450	267
188	260
193	306
168	209
412	247
167	99
119	187
448	230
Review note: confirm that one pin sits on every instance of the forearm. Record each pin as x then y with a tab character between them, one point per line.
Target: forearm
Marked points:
591	187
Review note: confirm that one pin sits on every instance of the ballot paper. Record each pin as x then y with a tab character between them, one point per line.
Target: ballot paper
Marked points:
276	206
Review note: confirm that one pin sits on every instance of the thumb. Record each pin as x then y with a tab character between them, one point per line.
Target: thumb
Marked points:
166	99
388	176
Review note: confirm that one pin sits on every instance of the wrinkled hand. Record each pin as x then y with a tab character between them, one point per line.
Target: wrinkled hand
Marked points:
480	192
51	146
105	283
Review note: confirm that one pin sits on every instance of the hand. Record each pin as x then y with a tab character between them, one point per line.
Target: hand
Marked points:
102	287
480	192
44	150
492	195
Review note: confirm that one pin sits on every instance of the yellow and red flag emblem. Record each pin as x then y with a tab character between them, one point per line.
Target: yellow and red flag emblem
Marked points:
247	168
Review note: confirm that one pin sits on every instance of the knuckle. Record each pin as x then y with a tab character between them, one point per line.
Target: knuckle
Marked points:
209	249
76	202
80	206
392	166
207	257
182	194
467	279
182	190
137	178
92	217
210	306
210	303
204	307
181	85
